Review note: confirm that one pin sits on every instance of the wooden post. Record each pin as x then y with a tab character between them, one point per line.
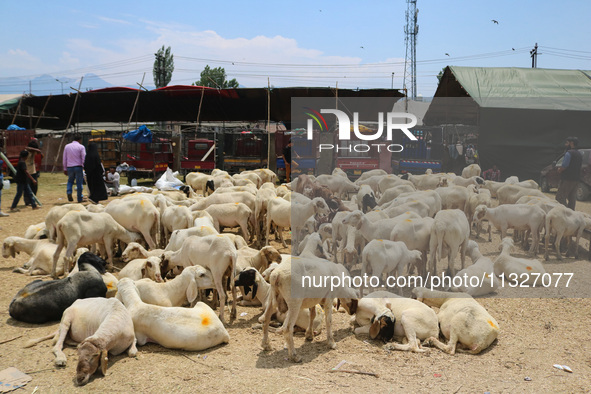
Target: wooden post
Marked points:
268	123
57	155
43	110
135	103
18	107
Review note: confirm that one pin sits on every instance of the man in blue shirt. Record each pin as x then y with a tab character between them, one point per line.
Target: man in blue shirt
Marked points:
570	174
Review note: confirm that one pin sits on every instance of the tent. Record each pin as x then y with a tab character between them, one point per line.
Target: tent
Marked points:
522	115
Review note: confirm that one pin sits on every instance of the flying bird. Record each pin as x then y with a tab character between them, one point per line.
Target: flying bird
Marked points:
362	47
494	21
446	54
513	48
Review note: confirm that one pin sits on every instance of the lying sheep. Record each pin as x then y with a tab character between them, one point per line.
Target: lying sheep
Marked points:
36	231
193	329
518	269
482	269
100	326
461	319
178	291
385	315
143	268
45	301
136	251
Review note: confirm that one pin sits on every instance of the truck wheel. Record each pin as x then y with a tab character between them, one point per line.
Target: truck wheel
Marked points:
544	185
583	192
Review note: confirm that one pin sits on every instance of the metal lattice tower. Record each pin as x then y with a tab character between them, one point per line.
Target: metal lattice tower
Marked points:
411	30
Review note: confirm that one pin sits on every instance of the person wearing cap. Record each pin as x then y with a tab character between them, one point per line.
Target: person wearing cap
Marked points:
570	174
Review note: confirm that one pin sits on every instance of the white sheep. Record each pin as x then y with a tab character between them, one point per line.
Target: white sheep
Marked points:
517	217
143	268
175	217
523	271
290	274
192	329
178	291
450	229
55	214
100	326
564	222
385	315
461	319
136	251
137	215
481	271
232	215
387	257
214	252
471	170
84	228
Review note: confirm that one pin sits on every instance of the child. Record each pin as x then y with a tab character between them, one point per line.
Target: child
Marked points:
22	179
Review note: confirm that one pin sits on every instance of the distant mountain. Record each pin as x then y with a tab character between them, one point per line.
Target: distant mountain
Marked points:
48	84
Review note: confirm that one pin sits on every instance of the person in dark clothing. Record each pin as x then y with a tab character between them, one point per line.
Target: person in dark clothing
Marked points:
22	179
94	174
34	150
287	160
570	174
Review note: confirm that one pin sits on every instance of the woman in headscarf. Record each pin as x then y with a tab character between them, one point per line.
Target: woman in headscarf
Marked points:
94	174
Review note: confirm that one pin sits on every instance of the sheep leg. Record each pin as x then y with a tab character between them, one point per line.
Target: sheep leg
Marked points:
221	295
450	348
328	318
244	229
60	357
132	351
579	233
233	312
489	232
108	242
269	310
546	242
310	330
56	256
559	235
294	306
268	225
69	257
363	330
148	237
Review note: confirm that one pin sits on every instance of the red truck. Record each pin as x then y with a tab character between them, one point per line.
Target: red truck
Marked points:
147	160
200	156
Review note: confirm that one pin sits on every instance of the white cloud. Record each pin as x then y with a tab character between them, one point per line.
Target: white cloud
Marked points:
68	61
113	20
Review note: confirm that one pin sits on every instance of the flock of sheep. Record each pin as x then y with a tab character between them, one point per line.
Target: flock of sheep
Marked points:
174	250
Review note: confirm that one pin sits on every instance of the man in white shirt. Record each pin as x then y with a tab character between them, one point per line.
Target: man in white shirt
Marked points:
112	181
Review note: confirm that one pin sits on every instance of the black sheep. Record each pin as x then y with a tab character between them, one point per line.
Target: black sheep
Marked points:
45	301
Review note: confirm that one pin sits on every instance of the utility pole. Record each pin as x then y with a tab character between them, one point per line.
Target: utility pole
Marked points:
534	56
392	80
411	30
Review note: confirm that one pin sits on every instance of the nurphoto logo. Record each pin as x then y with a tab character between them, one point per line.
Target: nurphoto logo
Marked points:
345	127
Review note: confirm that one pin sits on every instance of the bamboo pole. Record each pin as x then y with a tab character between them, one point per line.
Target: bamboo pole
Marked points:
57	155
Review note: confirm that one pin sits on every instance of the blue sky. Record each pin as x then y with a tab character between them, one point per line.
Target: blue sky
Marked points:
293	43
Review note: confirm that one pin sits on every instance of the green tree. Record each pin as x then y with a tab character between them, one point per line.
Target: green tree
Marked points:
163	67
215	78
440	75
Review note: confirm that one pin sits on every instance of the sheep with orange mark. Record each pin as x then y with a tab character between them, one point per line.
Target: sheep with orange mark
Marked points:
462	321
193	329
526	271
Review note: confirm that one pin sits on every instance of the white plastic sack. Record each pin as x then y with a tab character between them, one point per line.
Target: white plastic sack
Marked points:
124	189
168	181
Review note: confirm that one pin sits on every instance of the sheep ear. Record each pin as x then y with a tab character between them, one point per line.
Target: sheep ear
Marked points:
12	251
374	329
104	362
192	291
143	272
148	264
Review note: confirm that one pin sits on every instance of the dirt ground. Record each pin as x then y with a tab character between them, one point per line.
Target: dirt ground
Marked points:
535	334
